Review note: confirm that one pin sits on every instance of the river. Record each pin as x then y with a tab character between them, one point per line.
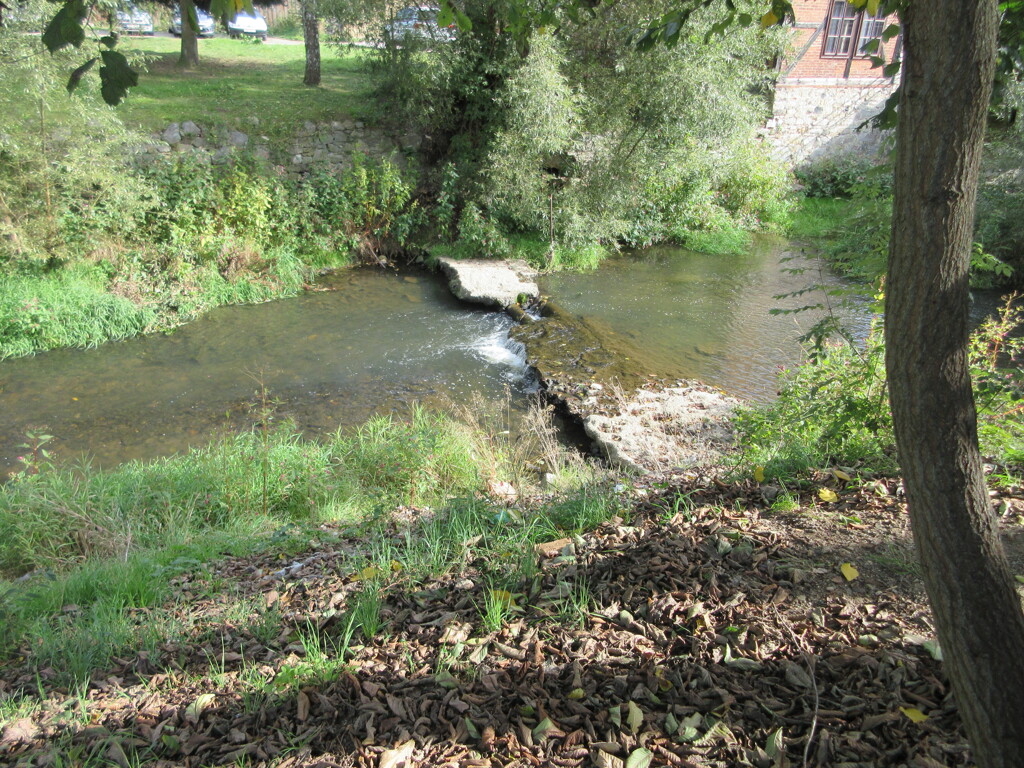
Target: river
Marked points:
375	341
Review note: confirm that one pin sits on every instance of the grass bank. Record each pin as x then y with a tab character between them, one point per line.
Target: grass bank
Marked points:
110	542
261	81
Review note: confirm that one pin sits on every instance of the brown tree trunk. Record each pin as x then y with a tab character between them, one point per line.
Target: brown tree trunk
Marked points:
947	78
189	57
311	36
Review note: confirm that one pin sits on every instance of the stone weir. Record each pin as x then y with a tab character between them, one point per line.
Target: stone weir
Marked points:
592	375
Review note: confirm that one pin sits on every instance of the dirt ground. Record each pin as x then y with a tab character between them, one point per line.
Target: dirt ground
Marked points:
713	632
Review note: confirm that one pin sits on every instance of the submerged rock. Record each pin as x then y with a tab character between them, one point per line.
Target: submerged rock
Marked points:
662	429
602	380
488	282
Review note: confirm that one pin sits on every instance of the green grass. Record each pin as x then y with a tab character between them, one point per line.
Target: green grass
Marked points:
70	308
238	80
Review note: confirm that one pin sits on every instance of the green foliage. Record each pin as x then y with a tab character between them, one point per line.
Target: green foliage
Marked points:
68	308
834	409
411	462
61	516
574	137
997	368
368	209
843	176
999	216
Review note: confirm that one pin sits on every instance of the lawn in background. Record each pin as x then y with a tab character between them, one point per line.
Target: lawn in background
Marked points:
238	80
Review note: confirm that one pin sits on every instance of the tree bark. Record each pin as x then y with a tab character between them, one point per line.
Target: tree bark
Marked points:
189	58
311	37
947	79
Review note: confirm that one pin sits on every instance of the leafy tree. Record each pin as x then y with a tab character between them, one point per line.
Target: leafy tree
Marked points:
947	80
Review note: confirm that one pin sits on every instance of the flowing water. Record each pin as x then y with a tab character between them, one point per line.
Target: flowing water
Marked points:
376	342
696	316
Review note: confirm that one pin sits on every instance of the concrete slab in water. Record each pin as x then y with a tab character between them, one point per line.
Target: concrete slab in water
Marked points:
488	282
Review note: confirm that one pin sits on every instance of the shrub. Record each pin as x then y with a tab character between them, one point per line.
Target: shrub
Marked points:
834	409
841	176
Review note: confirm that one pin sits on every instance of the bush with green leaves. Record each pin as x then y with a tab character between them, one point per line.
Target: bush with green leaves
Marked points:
843	176
573	136
834	409
831	410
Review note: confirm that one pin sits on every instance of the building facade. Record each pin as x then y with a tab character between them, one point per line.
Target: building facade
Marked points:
827	85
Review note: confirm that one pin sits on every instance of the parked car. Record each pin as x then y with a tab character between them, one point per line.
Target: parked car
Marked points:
134	21
207	27
418	22
248	25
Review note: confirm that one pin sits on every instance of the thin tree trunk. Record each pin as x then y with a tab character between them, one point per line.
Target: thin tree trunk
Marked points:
947	77
311	36
189	58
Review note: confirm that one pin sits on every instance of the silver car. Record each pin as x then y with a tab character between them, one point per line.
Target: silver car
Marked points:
248	25
207	28
134	21
418	22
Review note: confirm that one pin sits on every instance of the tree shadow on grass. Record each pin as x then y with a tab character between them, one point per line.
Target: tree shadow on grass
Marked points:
707	639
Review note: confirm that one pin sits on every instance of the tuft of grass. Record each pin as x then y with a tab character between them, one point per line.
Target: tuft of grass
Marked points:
583	510
724	241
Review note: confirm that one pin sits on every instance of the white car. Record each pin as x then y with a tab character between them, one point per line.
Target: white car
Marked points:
248	25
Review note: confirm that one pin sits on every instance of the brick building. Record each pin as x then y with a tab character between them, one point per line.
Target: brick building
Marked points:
827	85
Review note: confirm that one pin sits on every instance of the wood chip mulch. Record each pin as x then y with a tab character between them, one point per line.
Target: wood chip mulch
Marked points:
713	638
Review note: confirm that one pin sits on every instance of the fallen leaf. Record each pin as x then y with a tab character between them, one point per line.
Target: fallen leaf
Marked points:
838	474
302	705
849	571
639	758
605	760
195	709
635	717
577	694
393	758
445	679
827	495
759	474
775	746
914	714
544	729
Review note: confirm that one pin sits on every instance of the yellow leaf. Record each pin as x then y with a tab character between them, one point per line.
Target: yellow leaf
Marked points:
759	474
827	495
840	475
915	715
396	567
502	597
769	20
577	694
849	572
368	573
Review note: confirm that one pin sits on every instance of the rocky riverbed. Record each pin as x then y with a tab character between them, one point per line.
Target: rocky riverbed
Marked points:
588	374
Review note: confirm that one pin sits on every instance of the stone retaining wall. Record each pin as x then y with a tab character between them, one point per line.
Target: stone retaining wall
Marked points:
324	145
816	118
